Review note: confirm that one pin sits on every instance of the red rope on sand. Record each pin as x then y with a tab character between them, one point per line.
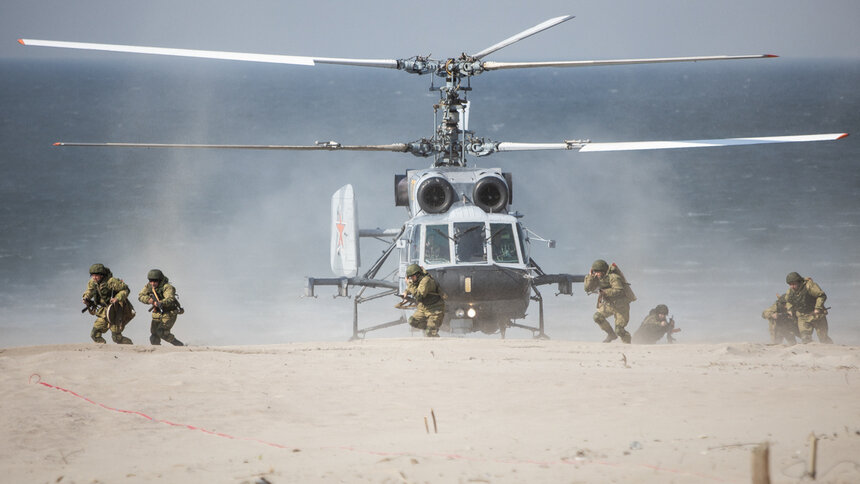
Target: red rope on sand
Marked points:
369	452
141	414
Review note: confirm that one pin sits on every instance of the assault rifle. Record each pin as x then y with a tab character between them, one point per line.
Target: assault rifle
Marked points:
91	306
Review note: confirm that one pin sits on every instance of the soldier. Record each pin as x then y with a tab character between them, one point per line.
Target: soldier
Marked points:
161	295
106	298
782	325
614	299
431	303
806	301
655	326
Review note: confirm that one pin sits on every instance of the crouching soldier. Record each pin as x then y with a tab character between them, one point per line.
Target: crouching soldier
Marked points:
806	301
655	326
161	295
614	299
431	303
782	325
106	298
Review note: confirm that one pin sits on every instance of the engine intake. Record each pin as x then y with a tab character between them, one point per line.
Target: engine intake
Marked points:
435	194
491	194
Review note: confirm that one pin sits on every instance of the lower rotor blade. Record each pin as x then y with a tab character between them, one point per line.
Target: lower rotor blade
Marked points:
327	146
708	143
587	146
492	66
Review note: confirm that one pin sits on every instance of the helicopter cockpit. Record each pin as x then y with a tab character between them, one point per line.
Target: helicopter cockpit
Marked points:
434	245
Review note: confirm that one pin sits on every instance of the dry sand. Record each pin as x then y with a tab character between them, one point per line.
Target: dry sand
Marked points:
506	411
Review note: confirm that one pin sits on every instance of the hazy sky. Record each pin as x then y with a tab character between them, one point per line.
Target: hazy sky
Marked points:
444	28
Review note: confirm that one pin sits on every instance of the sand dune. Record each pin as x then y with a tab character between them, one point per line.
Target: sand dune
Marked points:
505	411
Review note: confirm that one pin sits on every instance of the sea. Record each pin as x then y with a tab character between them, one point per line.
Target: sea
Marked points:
711	233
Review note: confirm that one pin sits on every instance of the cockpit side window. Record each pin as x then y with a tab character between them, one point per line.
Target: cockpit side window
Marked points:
524	243
436	244
503	244
415	244
470	242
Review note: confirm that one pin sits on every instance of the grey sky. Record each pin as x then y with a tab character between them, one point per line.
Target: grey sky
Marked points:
397	28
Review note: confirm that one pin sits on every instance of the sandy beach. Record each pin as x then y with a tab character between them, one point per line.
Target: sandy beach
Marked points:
505	411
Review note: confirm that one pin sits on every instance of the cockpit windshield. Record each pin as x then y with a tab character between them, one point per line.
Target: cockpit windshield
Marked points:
436	247
502	242
470	242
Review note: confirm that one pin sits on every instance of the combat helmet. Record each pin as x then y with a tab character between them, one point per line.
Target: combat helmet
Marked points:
412	270
155	275
98	269
661	309
793	277
600	265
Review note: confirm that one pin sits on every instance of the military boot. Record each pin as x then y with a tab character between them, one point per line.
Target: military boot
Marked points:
155	340
624	335
176	342
610	334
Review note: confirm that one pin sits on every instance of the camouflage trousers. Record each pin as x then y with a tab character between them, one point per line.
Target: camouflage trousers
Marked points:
160	327
101	326
621	313
783	328
428	320
807	322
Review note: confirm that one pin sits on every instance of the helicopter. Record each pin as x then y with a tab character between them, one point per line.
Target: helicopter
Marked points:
460	224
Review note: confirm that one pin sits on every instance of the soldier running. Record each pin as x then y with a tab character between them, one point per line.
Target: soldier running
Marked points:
161	295
614	299
806	301
107	292
431	304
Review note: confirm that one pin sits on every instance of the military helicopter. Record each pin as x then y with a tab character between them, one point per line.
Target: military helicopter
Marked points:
460	226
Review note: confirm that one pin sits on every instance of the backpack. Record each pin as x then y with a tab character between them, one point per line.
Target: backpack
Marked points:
628	291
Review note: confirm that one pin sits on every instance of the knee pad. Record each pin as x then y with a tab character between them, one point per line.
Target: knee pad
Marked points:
599	318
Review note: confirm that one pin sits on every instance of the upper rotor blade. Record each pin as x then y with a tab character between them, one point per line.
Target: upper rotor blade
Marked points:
212	54
492	66
522	35
585	146
322	146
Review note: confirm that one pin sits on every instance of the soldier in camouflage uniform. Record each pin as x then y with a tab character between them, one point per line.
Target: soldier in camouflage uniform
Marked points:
782	325
431	303
655	326
103	290
161	295
614	300
806	301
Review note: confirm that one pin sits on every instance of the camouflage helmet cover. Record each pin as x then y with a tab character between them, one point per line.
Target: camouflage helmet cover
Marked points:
412	270
661	309
793	277
155	275
600	265
98	269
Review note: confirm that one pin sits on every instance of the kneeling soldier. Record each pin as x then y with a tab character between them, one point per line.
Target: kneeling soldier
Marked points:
431	304
161	295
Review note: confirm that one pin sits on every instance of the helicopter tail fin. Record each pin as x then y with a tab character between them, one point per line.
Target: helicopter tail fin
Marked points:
344	233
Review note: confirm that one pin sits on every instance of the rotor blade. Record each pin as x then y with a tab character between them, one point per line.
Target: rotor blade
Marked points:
492	66
323	146
212	54
522	35
586	146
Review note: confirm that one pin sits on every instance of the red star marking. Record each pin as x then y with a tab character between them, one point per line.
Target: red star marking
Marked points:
340	226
